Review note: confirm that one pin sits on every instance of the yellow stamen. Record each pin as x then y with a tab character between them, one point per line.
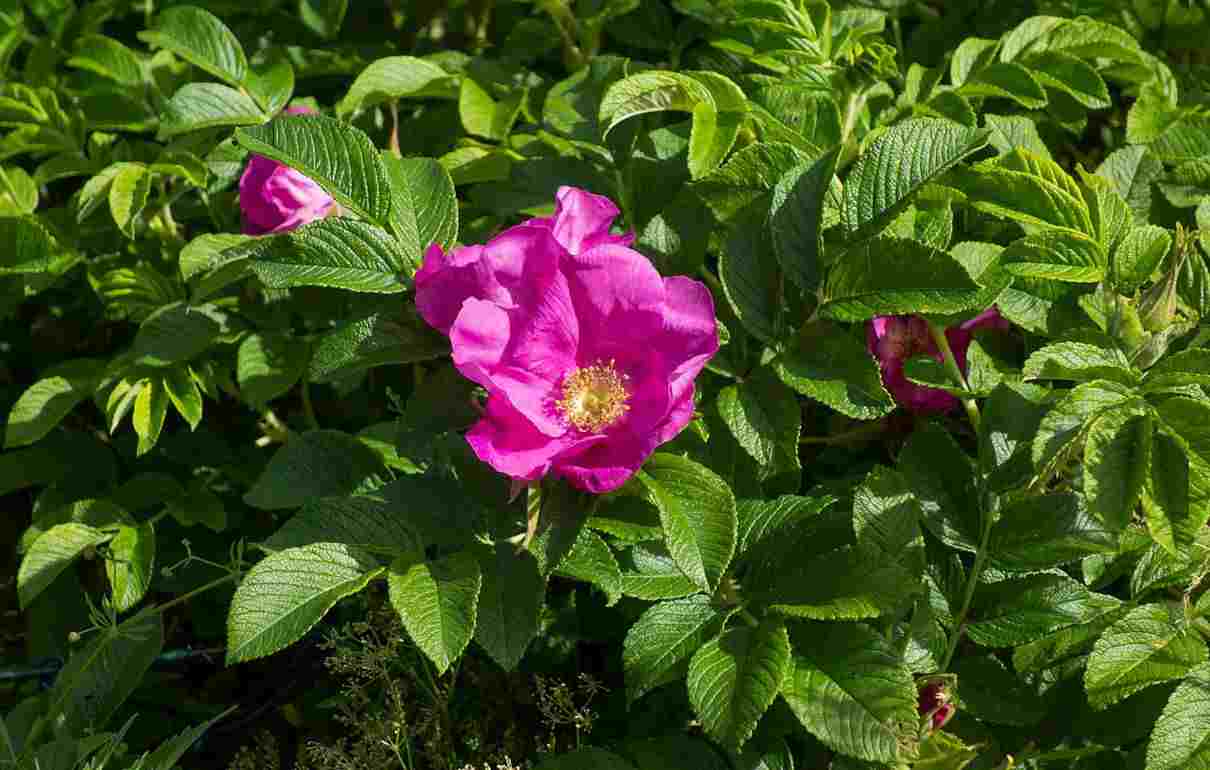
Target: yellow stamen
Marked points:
594	397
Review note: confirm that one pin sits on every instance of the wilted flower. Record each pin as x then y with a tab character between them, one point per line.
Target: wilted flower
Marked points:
275	198
588	355
893	339
934	702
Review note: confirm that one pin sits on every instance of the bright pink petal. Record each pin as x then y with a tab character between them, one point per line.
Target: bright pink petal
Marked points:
275	198
606	465
508	442
582	220
301	109
619	301
479	338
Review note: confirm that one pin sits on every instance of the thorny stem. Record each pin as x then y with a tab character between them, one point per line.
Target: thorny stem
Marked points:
951	366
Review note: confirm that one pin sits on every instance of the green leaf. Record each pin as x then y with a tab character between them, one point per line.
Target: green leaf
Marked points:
99	677
1021	610
651	91
849	583
1081	362
425	207
751	282
288	592
1166	491
561	511
318	463
108	58
28	246
44	404
1132	169
200	38
1189	421
196	106
888	175
656	577
271	83
1046	531
1063	428
392	78
712	137
830	366
993	694
1139	255
1072	76
267	366
1188	367
1007	80
761	521
150	409
1117	457
169	753
338	252
1057	255
887	276
323	17
734	678
1181	738
797	219
128	195
369	523
744	185
1149	646
1025	187
1008	132
941	476
174	333
665	635
509	603
851	691
764	417
437	601
697	511
184	393
337	156
53	552
380	339
131	564
484	116
590	559
1010	419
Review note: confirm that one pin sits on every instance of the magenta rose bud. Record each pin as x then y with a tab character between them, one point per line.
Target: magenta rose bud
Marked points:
893	339
587	354
933	701
275	198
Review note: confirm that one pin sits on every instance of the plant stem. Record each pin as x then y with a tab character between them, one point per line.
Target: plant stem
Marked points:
972	581
951	365
186	596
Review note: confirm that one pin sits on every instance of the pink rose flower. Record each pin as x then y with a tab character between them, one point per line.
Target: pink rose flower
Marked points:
893	339
275	198
588	355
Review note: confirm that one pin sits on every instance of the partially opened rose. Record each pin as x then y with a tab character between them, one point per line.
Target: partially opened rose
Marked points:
893	339
275	198
588	355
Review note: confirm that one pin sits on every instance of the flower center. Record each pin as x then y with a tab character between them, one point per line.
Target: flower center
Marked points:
594	397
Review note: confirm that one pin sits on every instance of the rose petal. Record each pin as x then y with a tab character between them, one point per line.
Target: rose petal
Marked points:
508	442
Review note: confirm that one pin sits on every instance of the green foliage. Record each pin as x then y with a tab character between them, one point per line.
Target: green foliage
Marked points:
787	573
